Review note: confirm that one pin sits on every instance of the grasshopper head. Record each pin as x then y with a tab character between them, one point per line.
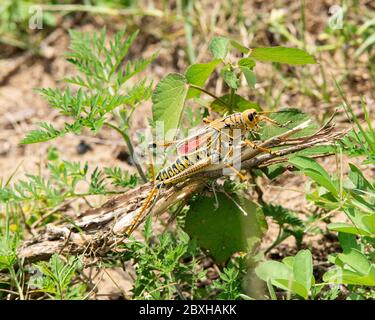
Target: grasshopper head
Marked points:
250	117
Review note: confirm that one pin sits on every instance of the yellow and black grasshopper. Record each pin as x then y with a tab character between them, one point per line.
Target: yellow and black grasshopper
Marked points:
203	149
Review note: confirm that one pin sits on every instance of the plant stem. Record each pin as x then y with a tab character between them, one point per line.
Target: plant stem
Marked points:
280	238
189	32
129	144
231	100
209	93
14	276
271	290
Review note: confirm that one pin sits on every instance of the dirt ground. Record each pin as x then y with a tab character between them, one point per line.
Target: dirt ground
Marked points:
21	107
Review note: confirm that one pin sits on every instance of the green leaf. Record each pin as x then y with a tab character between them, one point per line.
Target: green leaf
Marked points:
303	268
246	62
315	171
282	215
359	180
361	205
250	76
305	163
356	260
369	223
281	276
46	133
282	55
225	230
291	117
198	74
293	286
316	150
168	100
348	241
230	78
338	275
289	262
321	180
273	270
274	170
239	47
348	228
219	47
239	104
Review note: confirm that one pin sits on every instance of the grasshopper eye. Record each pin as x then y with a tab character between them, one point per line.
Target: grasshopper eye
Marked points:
250	116
152	146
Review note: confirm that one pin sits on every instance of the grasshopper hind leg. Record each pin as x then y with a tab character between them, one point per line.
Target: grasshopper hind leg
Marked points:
151	196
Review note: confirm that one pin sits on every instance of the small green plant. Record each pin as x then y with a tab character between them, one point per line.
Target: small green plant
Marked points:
167	266
18	21
174	90
294	274
56	277
229	283
10	235
42	194
354	267
102	92
97	96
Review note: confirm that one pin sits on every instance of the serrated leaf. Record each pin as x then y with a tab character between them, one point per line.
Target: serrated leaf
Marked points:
198	74
46	133
282	55
219	47
168	100
282	215
226	230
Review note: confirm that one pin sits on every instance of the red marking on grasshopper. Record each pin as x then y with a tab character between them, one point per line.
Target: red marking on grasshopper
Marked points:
190	146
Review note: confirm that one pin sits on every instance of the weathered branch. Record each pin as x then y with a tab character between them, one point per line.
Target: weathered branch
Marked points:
96	231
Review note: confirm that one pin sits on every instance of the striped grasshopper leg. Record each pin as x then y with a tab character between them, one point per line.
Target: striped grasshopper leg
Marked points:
182	176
